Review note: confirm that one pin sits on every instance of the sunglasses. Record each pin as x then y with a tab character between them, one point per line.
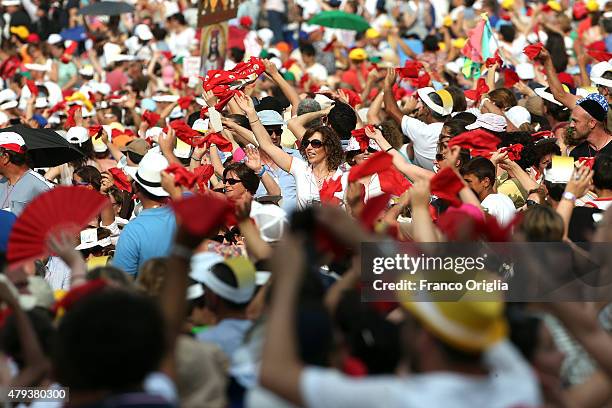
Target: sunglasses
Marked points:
79	183
231	182
277	130
315	143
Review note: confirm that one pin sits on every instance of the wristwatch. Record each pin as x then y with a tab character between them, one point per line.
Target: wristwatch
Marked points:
569	196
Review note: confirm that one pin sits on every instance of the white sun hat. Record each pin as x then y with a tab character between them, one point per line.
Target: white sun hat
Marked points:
148	174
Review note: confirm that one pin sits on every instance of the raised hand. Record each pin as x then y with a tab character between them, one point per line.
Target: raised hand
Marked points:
253	158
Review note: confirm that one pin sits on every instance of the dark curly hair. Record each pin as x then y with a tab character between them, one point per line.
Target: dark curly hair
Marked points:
331	143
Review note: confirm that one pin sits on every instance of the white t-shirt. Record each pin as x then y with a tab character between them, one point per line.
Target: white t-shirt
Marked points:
501	207
601	203
306	187
510	384
425	139
179	43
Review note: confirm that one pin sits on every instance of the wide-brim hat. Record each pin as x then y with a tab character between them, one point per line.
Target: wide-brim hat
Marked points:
148	174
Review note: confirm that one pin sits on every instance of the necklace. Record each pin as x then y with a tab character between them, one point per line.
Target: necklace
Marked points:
10	189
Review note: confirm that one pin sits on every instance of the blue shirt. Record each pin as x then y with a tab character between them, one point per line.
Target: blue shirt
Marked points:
228	334
147	236
285	181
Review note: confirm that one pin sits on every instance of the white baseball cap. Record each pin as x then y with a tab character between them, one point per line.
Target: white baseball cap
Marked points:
271	221
201	125
54	39
12	141
8	99
597	72
77	135
518	115
143	32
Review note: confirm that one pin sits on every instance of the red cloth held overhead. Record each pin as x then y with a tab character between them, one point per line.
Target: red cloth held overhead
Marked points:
182	176
71	112
187	134
514	151
374	164
32	87
120	180
201	215
446	185
479	142
481	89
151	117
532	50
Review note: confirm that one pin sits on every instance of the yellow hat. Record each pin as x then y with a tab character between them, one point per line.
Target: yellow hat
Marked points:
468	325
372	33
459	42
448	21
507	4
96	261
554	5
80	97
592	5
20	31
358	54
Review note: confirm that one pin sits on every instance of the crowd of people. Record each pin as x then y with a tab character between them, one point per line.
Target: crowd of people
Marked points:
444	121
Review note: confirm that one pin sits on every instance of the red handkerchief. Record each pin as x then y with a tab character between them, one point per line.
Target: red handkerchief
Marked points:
70	120
185	101
532	50
479	142
510	78
446	185
120	179
151	118
481	89
514	151
376	163
329	188
32	87
182	176
372	209
187	134
95	131
201	215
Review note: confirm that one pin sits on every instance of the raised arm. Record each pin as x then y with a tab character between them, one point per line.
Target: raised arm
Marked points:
280	157
374	111
254	163
285	87
408	169
297	124
566	98
36	364
112	148
390	105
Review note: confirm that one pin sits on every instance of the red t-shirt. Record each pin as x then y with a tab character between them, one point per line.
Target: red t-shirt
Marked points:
117	79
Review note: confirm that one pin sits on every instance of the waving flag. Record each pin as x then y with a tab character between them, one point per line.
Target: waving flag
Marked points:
477	49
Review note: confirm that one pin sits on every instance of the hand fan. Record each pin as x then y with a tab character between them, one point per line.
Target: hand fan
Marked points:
64	208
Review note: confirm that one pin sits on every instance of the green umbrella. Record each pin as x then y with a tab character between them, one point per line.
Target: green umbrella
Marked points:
340	19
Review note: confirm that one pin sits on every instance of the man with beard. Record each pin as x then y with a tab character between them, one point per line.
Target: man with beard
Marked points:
588	124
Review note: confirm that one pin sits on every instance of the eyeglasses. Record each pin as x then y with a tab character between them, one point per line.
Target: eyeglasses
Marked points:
315	143
277	130
231	182
79	183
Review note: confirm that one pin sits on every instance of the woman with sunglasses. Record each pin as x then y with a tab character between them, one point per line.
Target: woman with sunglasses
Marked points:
90	177
320	148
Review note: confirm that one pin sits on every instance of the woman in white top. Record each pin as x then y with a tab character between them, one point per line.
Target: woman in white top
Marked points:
320	147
